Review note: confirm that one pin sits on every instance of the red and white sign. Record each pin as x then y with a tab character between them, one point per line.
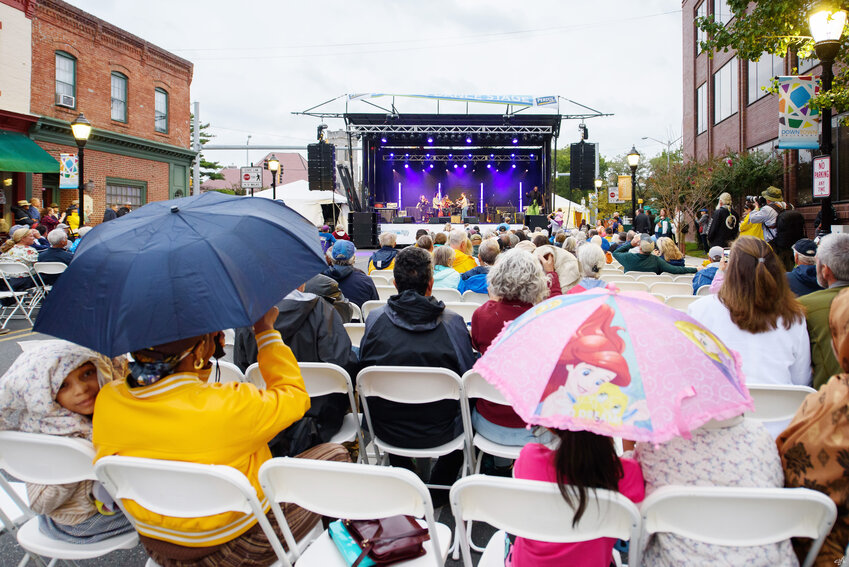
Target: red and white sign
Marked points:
822	176
251	177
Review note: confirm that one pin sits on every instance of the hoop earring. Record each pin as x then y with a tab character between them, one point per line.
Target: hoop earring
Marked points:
198	363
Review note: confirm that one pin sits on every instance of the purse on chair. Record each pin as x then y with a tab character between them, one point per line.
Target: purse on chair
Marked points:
364	543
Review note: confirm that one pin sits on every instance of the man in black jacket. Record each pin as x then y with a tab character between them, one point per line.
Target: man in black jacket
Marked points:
642	223
354	283
414	329
724	225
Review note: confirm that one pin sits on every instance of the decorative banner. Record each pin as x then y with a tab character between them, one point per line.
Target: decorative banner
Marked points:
69	171
518	100
624	188
798	125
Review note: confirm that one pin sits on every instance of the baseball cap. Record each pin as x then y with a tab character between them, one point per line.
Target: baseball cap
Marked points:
715	252
343	250
806	247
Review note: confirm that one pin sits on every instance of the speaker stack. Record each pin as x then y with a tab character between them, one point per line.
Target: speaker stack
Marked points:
363	229
534	221
321	166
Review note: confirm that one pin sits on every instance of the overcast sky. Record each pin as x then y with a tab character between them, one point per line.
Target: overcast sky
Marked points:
257	61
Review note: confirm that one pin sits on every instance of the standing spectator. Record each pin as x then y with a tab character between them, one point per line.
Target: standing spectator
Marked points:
747	227
340	234
724	226
644	260
642	224
768	215
832	275
111	212
48	219
703	221
789	229
803	278
35	209
818	219
705	275
384	258
444	274
664	227
326	238
476	278
463	262
354	283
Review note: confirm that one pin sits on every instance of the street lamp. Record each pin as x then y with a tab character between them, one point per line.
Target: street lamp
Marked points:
598	182
668	145
81	129
827	21
633	158
273	166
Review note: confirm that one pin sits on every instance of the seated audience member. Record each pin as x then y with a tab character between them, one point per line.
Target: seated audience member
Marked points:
803	278
463	262
384	258
328	289
80	234
56	253
667	250
813	447
705	275
440	239
21	214
187	417
540	239
354	283
734	452
591	260
444	274
516	282
314	330
50	389
19	249
570	245
644	260
414	329
425	243
558	239
561	268
422	232
41	242
475	279
581	463
340	234
832	275
476	240
618	240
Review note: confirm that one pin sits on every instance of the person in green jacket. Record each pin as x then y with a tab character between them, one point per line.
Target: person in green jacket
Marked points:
833	275
645	261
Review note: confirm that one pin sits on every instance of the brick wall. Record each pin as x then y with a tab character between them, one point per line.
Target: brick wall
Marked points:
101	48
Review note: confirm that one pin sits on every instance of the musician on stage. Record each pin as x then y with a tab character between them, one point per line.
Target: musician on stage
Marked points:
537	203
423	207
463	203
445	207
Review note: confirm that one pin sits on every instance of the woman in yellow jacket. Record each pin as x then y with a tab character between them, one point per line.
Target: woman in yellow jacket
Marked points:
747	228
166	409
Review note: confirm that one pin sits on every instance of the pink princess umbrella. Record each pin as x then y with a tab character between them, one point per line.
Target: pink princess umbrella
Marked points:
615	363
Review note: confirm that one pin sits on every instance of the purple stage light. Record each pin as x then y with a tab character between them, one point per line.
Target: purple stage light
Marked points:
514	166
515	140
391	155
406	155
491	155
406	165
489	166
431	166
427	155
512	155
468	140
464	166
470	155
455	166
450	155
429	140
383	140
521	208
532	155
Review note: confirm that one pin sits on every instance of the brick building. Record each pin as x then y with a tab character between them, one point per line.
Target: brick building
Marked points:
725	109
136	96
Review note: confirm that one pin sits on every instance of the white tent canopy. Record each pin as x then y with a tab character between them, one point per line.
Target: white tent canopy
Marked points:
569	209
298	196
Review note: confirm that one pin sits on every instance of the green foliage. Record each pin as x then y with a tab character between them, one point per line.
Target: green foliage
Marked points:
746	173
208	169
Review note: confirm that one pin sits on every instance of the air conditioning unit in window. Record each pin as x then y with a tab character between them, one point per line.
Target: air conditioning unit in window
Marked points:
66	100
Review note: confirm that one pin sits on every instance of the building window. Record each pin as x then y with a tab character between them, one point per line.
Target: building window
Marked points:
701	109
721	12
66	76
761	73
701	12
121	192
725	91
770	147
807	64
161	110
119	97
805	178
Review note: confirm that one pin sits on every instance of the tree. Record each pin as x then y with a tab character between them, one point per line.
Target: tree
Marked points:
778	27
208	169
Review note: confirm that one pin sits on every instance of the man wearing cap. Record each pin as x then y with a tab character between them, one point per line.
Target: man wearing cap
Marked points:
803	278
705	275
645	261
768	215
354	283
21	213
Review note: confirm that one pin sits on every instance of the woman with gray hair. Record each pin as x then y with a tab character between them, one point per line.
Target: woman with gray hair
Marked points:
591	259
516	283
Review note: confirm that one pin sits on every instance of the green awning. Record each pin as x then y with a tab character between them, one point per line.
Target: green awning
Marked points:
19	153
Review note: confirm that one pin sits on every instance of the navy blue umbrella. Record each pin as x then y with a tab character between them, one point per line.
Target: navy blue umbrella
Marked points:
177	269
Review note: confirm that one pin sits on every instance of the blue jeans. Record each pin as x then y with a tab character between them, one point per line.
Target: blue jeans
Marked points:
515	436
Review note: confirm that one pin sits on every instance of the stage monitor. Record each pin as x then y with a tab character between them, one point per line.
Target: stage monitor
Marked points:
583	166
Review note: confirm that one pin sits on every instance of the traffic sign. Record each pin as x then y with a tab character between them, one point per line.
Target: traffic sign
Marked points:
822	176
251	177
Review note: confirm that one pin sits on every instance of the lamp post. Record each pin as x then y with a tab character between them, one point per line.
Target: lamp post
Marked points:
668	145
827	21
81	129
633	158
598	182
273	166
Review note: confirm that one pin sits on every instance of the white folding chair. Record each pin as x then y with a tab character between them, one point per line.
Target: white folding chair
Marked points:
228	372
632	286
616	278
323	378
703	290
47	269
653	278
15	270
355	492
14	505
446	295
356	313
463	309
230	337
536	510
681	302
475	387
355	331
777	402
739	516
637	275
470	296
687	278
672	288
369	306
414	385
48	459
381	277
254	376
384	292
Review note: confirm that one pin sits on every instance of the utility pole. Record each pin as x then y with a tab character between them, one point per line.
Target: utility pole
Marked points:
196	148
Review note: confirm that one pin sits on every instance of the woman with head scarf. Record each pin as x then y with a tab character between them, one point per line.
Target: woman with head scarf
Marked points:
51	389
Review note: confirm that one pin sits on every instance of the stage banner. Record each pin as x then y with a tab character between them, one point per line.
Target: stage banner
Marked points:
624	188
798	125
518	100
69	171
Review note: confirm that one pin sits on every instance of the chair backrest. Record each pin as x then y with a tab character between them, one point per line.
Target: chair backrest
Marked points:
409	384
230	337
356	313
322	378
536	510
703	290
183	490
684	278
369	306
475	386
355	332
637	275
229	372
446	294
346	490
254	376
610	277
653	278
49	267
462	308
382	278
632	286
680	302
10	269
384	292
672	288
777	402
46	459
739	516
470	296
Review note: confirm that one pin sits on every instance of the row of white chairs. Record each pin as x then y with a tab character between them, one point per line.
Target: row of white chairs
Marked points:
660	288
731	516
25	301
646	277
384	292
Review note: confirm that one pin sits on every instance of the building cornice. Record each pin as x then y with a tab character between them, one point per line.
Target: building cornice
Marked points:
25	6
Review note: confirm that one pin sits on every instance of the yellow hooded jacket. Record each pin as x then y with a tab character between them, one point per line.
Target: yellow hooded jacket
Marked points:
183	418
463	262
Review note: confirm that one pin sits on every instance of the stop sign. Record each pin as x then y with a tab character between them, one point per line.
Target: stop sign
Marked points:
246	177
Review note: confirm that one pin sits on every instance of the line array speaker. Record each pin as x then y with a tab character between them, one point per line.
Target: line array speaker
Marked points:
321	166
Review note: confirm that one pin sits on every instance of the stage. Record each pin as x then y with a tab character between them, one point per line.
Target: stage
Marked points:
406	233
